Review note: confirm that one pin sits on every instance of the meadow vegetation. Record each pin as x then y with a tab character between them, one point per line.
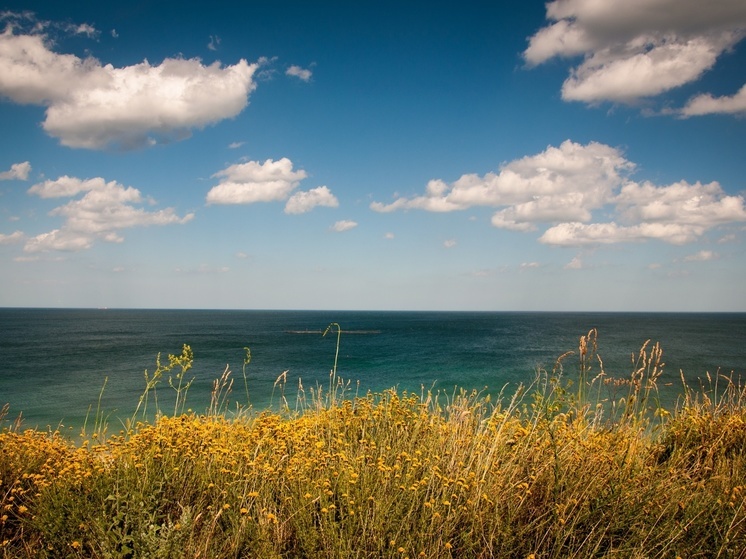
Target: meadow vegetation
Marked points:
578	464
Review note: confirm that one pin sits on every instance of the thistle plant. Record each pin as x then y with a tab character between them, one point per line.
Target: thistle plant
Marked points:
333	372
246	361
184	362
175	381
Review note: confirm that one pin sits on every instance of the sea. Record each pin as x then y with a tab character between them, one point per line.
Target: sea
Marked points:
58	367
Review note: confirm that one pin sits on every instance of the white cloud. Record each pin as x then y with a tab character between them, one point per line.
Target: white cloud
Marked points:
203	269
105	209
302	202
528	265
637	48
250	182
65	187
559	184
235	145
729	238
449	243
92	105
567	187
344	225
300	73
695	205
271	181
702	256
706	104
575	264
214	42
581	234
15	237
18	171
83	29
389	236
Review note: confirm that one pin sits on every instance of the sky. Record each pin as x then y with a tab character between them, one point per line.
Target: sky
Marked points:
578	155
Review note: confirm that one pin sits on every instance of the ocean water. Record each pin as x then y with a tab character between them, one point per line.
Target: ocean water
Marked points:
54	363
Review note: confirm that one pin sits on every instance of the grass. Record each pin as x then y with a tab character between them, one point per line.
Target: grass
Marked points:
576	465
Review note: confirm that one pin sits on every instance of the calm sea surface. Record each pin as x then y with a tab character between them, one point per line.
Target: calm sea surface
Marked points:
54	362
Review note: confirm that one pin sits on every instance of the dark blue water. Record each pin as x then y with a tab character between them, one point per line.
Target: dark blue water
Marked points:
54	362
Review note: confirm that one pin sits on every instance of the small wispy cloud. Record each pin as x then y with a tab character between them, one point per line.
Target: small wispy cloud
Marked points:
83	29
574	264
729	238
344	225
214	42
701	256
203	269
528	265
389	236
450	243
235	145
303	74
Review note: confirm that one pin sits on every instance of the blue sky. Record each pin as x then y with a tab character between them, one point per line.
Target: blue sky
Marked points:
574	155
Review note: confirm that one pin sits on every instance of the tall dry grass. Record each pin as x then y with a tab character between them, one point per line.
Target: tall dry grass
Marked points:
576	465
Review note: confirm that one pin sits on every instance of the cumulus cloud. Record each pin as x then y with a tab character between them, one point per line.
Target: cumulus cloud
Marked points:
560	184
302	74
95	106
699	206
567	187
343	225
706	104
582	234
103	210
302	202
637	48
250	182
18	171
270	181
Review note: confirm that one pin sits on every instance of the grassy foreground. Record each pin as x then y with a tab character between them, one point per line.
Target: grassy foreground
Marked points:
588	468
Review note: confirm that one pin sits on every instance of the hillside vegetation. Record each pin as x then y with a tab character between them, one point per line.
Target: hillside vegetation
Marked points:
576	465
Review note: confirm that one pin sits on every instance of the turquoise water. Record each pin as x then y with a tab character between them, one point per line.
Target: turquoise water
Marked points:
55	361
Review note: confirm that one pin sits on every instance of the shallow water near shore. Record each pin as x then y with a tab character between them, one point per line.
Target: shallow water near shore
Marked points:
55	362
